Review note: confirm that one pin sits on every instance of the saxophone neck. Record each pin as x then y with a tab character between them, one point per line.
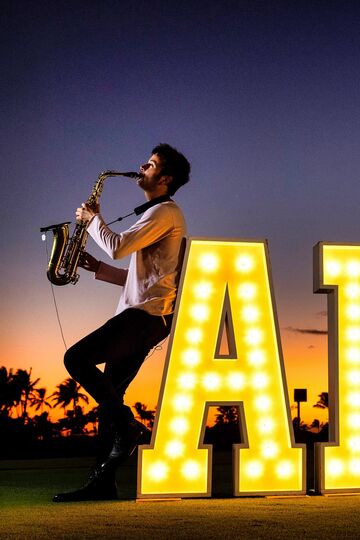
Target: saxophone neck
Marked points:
97	190
64	259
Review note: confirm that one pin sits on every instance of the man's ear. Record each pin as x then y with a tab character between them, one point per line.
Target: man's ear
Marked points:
166	180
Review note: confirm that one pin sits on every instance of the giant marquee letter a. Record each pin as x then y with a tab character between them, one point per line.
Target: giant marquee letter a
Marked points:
223	283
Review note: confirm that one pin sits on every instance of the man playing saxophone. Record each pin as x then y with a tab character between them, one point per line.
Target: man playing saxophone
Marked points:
143	317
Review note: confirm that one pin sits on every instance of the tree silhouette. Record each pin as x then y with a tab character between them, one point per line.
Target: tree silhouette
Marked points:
226	429
75	421
145	416
316	424
68	392
44	428
323	401
9	393
25	389
38	401
302	426
227	415
93	418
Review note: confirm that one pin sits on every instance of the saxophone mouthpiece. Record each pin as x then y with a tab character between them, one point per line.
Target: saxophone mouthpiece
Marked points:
134	175
130	174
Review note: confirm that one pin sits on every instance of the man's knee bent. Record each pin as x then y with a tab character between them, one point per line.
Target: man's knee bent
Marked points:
72	362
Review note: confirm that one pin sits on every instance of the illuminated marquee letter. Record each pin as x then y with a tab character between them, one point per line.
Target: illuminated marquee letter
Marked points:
337	272
225	282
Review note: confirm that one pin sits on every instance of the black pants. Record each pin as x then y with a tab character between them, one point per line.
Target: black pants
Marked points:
122	343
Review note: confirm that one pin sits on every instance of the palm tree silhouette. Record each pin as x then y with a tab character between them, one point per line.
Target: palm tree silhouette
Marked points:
145	416
43	427
75	421
93	418
9	393
39	400
25	389
227	414
67	392
323	401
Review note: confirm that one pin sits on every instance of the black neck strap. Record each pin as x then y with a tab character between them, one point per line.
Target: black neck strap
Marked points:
137	211
149	204
143	207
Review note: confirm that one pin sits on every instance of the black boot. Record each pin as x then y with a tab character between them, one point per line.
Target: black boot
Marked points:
125	442
100	486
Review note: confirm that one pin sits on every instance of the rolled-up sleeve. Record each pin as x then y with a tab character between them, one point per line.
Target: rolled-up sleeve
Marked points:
111	274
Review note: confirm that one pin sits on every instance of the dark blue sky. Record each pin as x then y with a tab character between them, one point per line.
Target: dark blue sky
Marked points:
263	98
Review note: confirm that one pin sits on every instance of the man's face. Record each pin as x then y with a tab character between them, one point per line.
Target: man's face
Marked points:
152	173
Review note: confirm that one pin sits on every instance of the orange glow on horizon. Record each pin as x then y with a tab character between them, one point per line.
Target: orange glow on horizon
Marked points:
305	368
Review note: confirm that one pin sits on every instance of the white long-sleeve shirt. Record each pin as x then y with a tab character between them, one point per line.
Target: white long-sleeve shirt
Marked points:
155	243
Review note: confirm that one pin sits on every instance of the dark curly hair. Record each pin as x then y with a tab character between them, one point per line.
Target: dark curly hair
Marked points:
174	164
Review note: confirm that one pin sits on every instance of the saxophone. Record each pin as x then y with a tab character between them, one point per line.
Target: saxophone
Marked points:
65	253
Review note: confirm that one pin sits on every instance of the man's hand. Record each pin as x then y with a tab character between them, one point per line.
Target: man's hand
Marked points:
86	213
88	262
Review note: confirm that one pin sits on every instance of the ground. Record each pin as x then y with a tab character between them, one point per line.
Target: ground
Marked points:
26	489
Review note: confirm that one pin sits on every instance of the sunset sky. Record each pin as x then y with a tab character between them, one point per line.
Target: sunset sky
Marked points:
261	96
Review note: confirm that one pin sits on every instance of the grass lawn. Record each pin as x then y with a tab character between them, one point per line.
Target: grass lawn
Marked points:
26	510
